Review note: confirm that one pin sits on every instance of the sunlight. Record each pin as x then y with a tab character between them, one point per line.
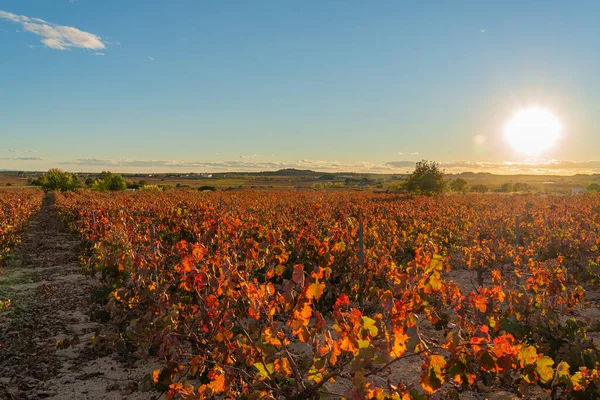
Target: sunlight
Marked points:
533	131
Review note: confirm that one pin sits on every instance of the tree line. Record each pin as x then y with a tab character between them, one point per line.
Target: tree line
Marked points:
59	180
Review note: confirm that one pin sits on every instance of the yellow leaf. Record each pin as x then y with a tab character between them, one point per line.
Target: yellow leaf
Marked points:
262	371
527	356
315	290
433	377
544	369
369	324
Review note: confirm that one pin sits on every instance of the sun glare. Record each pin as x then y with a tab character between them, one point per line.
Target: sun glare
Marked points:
533	131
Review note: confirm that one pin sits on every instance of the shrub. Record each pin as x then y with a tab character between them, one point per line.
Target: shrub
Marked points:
521	187
594	187
506	188
397	187
109	181
480	189
36	181
134	185
151	188
206	187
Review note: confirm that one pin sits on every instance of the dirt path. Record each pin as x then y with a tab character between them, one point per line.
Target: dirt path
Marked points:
46	334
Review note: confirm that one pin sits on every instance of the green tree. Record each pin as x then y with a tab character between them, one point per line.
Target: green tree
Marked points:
56	179
594	187
109	181
427	178
506	188
458	185
117	182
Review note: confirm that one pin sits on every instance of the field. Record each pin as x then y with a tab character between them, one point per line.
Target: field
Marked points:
280	294
307	180
286	294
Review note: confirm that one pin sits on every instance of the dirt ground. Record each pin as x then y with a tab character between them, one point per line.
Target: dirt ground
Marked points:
46	334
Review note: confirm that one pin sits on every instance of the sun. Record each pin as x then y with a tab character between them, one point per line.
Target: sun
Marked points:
533	130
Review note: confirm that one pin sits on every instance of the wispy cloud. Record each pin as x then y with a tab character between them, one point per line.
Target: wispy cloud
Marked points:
20	151
55	36
247	157
149	58
21	158
100	54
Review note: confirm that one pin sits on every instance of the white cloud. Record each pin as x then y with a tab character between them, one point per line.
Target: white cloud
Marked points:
483	30
19	150
55	36
100	54
150	58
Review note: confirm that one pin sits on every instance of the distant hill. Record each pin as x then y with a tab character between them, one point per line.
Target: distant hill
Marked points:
290	172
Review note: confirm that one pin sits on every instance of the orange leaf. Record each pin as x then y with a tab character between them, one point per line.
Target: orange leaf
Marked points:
217	383
481	303
282	365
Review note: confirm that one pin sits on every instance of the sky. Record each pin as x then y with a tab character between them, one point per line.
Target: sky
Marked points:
367	86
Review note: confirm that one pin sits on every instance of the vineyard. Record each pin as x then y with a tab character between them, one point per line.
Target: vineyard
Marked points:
16	208
276	294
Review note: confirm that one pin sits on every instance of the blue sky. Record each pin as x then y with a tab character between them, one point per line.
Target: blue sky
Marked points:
328	85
